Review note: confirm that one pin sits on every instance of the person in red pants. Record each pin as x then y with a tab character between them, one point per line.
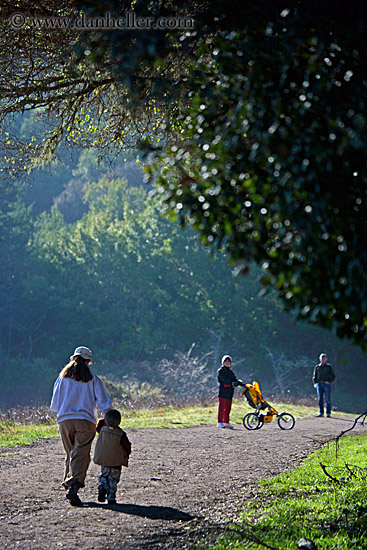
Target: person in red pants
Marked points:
227	381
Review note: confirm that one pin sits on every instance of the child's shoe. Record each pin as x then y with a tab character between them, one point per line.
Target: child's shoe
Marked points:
229	426
102	494
220	425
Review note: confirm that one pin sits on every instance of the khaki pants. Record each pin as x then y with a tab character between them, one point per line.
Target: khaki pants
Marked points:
77	436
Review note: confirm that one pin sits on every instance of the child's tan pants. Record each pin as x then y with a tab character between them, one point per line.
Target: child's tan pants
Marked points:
77	436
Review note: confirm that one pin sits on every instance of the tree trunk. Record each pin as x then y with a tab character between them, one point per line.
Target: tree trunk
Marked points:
277	373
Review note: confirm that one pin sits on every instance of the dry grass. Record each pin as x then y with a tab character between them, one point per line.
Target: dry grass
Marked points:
33	414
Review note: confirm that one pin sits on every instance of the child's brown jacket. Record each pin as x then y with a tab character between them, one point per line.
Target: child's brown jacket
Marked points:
110	450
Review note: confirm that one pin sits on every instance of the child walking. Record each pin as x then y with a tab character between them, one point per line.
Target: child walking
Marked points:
111	452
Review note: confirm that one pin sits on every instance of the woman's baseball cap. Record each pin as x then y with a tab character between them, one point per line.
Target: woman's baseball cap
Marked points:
83	352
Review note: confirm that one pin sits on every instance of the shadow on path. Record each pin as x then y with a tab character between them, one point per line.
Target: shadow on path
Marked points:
151	512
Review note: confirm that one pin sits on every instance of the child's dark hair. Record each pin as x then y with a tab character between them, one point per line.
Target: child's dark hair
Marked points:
112	414
77	369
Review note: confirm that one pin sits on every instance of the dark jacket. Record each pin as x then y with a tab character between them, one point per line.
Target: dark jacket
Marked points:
112	448
226	377
323	373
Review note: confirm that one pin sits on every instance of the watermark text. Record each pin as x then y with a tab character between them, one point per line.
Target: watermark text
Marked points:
129	21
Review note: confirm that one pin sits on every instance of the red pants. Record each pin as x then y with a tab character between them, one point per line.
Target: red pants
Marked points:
224	409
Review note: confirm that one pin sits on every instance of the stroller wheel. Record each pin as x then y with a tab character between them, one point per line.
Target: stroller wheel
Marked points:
286	421
252	422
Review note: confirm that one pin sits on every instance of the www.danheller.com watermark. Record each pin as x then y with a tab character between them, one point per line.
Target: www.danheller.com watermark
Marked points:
130	20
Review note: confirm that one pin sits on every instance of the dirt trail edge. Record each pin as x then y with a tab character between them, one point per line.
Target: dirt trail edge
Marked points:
177	480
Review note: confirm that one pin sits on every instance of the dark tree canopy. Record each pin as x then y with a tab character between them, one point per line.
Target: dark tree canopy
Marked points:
262	114
77	99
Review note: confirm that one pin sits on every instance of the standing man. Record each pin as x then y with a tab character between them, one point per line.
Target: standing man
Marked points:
323	375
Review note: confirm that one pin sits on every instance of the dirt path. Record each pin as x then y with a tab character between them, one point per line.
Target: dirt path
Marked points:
177	480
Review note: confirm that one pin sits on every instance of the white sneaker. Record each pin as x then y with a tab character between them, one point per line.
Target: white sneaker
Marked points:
220	425
228	426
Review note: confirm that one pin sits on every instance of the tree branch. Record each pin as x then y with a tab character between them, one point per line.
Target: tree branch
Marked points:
334	479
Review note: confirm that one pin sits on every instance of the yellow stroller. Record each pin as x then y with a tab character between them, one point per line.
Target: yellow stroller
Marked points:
263	411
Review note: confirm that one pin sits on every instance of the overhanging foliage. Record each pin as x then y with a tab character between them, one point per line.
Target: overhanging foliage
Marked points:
266	103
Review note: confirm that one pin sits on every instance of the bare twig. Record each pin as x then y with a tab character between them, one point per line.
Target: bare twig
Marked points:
334	479
364	415
352	472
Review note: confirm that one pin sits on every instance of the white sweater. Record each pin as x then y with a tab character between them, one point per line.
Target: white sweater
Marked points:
73	400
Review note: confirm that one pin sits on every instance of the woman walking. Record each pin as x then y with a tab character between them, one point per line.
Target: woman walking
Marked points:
227	381
76	395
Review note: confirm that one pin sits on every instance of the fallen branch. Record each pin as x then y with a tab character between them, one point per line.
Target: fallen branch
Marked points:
334	479
364	415
352	472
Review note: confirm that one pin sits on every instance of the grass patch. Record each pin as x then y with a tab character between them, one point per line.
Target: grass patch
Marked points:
180	417
15	434
32	426
307	503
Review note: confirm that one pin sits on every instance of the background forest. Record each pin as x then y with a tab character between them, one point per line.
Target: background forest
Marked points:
87	258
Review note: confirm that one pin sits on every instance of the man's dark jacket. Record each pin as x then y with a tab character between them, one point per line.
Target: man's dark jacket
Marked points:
226	377
323	373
